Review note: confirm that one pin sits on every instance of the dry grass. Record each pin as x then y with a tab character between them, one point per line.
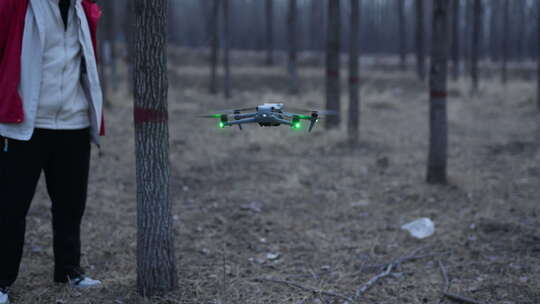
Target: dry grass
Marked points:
331	212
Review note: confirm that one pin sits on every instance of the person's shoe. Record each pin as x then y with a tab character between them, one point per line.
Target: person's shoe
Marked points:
82	282
4	299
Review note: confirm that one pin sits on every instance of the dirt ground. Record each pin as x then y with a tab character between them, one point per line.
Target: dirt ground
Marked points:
271	203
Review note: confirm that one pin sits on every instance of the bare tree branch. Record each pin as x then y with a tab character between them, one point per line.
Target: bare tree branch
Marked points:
461	299
446	287
306	288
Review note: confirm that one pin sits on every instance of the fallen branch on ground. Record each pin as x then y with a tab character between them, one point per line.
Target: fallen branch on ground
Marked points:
306	288
446	287
388	270
461	299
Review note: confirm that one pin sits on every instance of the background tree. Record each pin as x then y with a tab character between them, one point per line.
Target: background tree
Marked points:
402	34
292	21
226	48
538	54
333	43
156	267
438	138
476	36
269	32
214	45
455	38
505	42
420	44
494	34
354	96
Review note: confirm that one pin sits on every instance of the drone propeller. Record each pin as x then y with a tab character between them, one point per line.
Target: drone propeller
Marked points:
210	116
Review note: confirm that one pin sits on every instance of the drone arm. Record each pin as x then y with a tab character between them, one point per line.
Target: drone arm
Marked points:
284	121
241	121
245	115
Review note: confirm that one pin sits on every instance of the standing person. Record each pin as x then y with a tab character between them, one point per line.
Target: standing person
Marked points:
50	111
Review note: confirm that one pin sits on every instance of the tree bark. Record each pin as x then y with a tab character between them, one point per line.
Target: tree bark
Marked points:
333	43
226	48
438	139
402	35
292	21
214	56
476	36
420	44
455	38
354	84
505	42
156	263
270	32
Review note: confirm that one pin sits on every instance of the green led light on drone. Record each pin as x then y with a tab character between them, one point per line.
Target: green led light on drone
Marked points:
221	125
297	125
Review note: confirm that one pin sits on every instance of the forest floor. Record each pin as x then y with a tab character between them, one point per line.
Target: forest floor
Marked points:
269	204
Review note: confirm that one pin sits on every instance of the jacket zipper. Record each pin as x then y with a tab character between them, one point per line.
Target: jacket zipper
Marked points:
6	144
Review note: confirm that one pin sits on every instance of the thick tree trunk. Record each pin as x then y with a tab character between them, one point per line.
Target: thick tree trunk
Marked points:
226	48
402	35
214	55
292	40
438	139
269	32
354	84
420	44
476	36
455	38
333	43
156	262
505	42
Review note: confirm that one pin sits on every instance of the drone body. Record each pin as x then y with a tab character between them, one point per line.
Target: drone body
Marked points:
266	115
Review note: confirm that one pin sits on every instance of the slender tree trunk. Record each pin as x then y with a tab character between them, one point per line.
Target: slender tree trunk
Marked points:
354	84
538	55
505	42
476	36
494	33
402	35
420	44
226	48
292	21
520	6
269	32
455	38
316	25
129	33
102	65
156	262
110	46
469	15
333	43
438	139
214	28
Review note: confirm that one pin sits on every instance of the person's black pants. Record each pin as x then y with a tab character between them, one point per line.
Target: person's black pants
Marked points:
64	157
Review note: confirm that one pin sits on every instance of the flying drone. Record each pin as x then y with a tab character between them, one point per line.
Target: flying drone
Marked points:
267	115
